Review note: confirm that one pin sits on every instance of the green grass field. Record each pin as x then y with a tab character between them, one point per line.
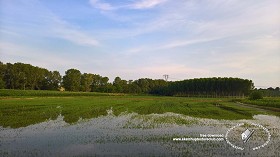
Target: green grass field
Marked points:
31	107
44	93
273	102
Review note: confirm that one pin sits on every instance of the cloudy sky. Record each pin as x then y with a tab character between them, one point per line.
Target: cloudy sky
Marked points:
146	38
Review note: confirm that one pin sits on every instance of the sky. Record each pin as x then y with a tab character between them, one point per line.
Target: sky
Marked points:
146	38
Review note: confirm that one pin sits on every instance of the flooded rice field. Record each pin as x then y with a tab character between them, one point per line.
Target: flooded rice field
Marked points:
131	134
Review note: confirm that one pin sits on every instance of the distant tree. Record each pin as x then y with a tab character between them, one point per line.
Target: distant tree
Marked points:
270	92
37	77
143	84
117	84
134	88
72	80
210	86
24	76
120	86
52	80
20	75
56	79
159	87
255	95
2	74
86	82
270	88
105	86
100	84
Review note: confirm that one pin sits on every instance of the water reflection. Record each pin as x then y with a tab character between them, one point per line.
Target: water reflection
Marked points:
130	135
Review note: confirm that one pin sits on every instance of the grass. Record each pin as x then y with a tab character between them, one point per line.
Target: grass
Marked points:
35	106
265	102
44	93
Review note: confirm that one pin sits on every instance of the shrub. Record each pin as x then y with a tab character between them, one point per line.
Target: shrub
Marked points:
255	95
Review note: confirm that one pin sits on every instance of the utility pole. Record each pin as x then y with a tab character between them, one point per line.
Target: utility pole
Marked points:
165	77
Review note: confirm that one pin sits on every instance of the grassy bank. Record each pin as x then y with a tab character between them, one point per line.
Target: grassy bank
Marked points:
47	93
265	102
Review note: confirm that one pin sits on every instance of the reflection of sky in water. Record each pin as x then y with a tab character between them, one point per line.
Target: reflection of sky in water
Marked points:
130	134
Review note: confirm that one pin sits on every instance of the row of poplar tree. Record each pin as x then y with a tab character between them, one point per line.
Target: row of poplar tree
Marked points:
25	76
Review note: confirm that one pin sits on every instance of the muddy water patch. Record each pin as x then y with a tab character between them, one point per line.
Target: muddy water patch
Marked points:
131	134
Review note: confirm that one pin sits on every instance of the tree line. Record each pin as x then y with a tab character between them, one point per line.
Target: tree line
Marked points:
216	86
25	76
28	77
269	92
74	80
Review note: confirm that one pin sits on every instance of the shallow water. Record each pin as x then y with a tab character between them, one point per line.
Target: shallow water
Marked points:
131	134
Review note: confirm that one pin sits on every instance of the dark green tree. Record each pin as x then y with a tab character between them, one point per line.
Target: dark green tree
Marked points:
72	80
86	82
255	95
2	74
52	80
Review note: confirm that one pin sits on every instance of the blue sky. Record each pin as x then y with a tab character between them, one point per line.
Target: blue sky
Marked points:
146	38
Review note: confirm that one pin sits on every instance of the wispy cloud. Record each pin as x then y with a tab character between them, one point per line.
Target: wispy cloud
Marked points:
77	37
102	5
38	20
181	43
267	43
11	33
175	69
196	31
13	52
169	45
62	29
145	4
